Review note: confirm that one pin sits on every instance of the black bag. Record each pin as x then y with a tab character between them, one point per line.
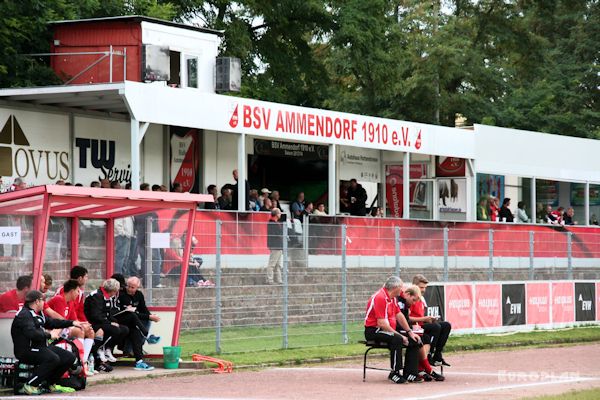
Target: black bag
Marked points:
76	378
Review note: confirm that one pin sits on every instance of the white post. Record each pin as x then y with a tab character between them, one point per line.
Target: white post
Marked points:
406	186
332	187
533	208
471	188
110	63
586	205
241	167
135	154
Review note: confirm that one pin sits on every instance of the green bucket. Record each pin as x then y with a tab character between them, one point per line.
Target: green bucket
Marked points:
171	356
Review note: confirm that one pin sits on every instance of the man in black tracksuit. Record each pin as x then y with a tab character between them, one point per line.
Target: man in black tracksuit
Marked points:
31	344
100	308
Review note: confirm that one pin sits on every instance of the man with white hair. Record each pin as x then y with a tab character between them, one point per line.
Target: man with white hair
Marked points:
384	322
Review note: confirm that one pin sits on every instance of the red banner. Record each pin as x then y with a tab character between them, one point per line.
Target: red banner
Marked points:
395	186
184	160
459	306
449	166
563	307
488	310
538	303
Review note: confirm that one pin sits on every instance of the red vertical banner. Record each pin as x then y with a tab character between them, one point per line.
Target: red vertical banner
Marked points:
563	307
488	310
185	162
597	301
538	303
459	306
395	186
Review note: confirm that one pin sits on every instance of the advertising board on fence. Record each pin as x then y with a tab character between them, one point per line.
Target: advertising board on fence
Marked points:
513	304
487	306
434	302
459	306
585	309
562	302
538	303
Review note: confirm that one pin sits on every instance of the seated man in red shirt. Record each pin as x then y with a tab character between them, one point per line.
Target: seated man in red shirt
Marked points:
13	299
65	304
435	333
381	322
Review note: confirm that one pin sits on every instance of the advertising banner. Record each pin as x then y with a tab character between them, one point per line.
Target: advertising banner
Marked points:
538	303
434	302
452	195
394	187
585	309
185	164
487	306
459	306
513	304
546	192
449	166
358	163
562	302
490	185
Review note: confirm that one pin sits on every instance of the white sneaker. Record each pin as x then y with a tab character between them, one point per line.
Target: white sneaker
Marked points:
102	356
109	355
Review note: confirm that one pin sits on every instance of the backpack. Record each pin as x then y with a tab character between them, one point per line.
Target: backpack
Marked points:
75	376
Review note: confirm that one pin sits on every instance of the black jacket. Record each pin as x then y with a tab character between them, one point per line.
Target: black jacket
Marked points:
358	207
506	213
137	301
28	331
275	235
100	310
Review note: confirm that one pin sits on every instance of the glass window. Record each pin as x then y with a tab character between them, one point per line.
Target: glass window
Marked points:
192	72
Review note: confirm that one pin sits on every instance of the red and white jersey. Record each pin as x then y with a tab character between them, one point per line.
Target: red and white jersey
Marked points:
77	304
65	308
417	310
381	306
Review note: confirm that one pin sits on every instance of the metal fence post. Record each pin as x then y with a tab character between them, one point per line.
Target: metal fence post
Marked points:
218	288
531	259
446	230
285	286
569	255
305	236
344	288
491	263
397	249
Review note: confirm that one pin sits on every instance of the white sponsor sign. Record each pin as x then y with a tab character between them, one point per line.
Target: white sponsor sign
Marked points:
10	235
452	195
160	240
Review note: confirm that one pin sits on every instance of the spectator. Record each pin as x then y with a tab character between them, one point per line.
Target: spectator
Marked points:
320	210
298	206
264	194
225	201
18	184
377	212
60	182
95	184
163	188
593	220
105	183
212	190
14	299
78	185
435	333
156	188
568	217
275	199
115	185
177	188
145	186
100	309
482	210
505	214
235	190
275	245
356	199
30	346
383	322
253	203
124	235
558	214
267	205
493	209
309	208
521	213
173	262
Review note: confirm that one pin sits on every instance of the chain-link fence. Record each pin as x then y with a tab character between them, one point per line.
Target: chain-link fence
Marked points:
329	270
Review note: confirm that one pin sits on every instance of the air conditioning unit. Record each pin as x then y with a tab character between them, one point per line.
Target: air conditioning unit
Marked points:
229	74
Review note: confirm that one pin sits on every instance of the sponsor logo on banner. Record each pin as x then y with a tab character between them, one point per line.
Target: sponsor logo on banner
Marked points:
513	304
100	154
10	235
487	306
20	158
538	303
394	188
452	195
459	306
585	309
233	121
449	166
562	302
434	301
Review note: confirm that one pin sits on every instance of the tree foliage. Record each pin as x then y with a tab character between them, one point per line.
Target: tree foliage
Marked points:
515	63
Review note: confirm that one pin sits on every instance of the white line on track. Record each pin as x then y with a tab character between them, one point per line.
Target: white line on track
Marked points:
497	388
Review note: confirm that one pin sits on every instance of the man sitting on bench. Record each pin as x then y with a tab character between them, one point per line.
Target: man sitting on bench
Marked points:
382	317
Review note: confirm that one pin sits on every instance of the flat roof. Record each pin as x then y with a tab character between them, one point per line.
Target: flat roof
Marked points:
137	18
